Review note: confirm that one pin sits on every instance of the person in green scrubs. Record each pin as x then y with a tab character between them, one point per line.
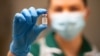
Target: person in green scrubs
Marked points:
66	22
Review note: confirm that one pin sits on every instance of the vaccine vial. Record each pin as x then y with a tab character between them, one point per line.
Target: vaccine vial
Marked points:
44	19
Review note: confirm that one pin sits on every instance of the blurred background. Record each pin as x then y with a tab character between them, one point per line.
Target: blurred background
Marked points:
9	7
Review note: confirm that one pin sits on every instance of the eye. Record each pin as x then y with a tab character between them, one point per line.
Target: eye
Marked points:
74	8
58	9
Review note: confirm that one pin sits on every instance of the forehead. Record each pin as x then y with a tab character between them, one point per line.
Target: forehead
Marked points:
66	2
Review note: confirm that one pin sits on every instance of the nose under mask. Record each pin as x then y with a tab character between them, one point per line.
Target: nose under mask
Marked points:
68	25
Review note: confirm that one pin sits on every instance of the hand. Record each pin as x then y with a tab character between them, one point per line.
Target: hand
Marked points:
25	30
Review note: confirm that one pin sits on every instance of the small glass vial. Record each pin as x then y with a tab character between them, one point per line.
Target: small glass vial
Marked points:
44	19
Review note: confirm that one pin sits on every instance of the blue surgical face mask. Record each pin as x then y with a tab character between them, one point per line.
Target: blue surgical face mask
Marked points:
68	25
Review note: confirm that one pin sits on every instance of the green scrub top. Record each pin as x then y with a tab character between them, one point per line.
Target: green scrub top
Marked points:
50	42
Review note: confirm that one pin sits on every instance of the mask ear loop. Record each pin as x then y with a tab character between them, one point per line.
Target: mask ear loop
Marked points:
44	19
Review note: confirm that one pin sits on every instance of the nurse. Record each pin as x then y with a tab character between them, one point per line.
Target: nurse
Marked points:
66	20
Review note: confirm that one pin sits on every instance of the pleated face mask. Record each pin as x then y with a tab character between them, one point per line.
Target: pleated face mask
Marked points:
68	25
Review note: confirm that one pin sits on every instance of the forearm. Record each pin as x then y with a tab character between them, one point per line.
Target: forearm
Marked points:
10	54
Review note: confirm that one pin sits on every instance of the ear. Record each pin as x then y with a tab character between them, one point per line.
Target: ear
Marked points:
87	13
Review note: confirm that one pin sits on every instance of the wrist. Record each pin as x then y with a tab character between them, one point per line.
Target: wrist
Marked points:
19	51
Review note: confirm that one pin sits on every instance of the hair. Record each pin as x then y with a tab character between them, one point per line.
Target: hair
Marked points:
84	1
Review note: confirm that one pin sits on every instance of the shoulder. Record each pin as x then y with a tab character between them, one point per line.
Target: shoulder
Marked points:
37	47
40	48
94	52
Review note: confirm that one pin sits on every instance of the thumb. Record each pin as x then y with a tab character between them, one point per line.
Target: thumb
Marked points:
41	27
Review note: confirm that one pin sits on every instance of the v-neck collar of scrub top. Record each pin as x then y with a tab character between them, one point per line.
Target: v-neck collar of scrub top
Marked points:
50	41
